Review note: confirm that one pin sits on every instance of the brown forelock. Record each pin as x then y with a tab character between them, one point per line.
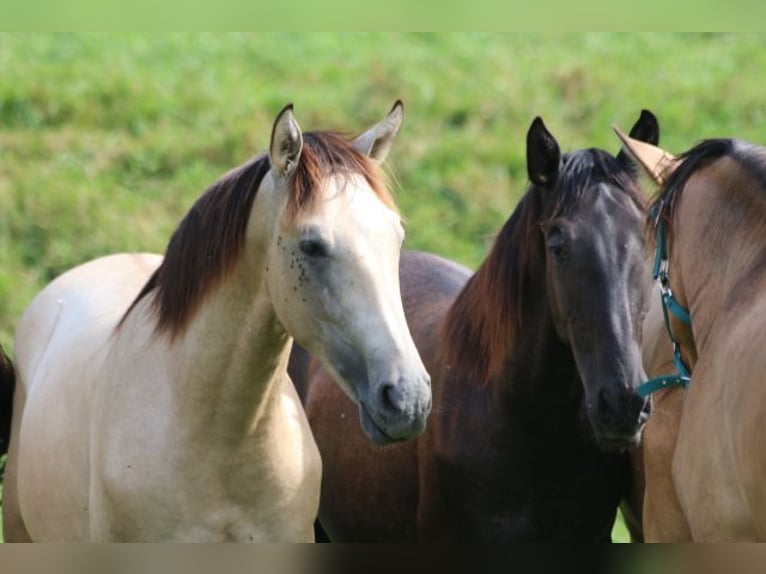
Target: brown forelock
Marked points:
209	240
325	154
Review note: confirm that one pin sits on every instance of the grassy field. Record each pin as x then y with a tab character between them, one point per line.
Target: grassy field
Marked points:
106	140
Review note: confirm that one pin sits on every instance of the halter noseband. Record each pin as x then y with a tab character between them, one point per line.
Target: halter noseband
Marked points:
669	304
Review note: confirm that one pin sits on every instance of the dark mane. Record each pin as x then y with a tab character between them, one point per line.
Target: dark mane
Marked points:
701	155
208	242
486	317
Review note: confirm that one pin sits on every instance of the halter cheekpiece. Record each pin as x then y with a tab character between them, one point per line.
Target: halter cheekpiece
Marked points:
669	304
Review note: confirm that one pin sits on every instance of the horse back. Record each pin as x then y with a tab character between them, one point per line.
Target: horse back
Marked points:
371	492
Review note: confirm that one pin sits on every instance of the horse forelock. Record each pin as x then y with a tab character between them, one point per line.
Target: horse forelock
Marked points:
582	170
327	154
210	239
486	318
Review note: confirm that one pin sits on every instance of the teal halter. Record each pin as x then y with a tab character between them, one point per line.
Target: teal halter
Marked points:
669	304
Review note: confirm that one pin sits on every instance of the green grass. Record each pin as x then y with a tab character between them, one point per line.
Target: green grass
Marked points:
105	140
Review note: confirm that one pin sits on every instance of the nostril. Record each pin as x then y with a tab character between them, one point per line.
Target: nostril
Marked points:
607	403
387	398
603	405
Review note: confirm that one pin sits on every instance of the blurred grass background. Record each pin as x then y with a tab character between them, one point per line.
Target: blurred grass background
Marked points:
107	139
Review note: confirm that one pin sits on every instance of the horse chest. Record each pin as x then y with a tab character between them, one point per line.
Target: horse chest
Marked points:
261	488
519	489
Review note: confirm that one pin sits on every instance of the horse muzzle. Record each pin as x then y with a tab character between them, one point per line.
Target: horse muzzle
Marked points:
618	416
396	411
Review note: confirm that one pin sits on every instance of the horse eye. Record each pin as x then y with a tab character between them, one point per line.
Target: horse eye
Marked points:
555	242
313	248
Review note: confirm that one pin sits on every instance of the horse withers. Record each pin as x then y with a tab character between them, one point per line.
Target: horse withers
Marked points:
535	361
704	472
153	401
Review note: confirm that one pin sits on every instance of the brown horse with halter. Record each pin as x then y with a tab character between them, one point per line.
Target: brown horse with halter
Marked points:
704	472
534	360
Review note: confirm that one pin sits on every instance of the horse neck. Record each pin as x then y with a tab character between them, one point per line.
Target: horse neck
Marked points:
231	357
539	369
535	366
717	250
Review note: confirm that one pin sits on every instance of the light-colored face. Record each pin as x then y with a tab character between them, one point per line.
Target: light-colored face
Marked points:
333	279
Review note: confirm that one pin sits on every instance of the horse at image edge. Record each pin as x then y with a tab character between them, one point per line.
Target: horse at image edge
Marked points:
155	399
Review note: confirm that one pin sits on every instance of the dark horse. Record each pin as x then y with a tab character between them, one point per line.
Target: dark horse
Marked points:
7	388
534	360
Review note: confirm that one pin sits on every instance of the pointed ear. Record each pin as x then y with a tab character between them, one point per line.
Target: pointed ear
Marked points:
646	129
286	142
543	154
657	163
376	141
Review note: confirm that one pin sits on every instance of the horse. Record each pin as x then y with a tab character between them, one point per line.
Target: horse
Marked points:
7	387
534	360
702	464
153	401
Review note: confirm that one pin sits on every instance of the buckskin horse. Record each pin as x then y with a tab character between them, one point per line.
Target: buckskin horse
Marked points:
704	472
152	400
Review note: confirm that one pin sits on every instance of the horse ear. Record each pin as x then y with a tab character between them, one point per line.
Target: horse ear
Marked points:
646	129
286	142
657	163
376	141
543	154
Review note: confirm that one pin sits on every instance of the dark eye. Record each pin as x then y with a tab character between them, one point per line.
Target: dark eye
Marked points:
555	242
313	248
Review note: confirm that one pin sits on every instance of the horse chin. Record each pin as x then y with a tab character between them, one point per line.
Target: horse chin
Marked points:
617	440
618	444
373	431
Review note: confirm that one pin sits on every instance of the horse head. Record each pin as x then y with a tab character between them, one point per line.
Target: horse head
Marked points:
597	271
333	269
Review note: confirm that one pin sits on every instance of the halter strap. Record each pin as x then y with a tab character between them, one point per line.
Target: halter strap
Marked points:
669	304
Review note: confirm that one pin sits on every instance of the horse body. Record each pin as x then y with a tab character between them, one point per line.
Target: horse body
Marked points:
155	389
724	404
148	465
704	472
500	472
533	384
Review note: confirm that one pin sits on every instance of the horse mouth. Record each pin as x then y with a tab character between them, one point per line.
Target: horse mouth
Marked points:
372	429
618	433
621	444
623	440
